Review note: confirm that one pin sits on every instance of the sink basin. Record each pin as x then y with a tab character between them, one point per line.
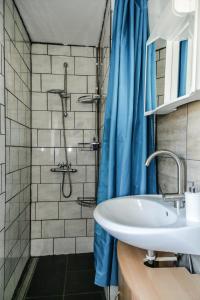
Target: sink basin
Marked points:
147	222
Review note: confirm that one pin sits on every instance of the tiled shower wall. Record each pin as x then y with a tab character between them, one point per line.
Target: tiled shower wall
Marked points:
60	225
18	147
2	153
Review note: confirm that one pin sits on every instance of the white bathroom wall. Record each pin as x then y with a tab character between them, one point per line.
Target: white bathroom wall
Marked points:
18	147
59	225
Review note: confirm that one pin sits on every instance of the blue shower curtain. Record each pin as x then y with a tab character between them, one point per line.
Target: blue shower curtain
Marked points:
128	136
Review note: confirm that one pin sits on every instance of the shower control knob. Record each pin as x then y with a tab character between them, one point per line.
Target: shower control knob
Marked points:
61	165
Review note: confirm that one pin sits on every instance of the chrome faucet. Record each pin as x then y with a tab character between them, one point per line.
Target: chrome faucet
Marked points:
176	197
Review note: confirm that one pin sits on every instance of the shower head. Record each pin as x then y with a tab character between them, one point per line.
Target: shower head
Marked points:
89	98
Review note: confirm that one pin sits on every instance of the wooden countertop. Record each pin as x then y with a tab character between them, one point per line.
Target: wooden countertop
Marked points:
155	284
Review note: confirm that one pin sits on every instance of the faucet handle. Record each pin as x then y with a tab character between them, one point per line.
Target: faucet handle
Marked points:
61	164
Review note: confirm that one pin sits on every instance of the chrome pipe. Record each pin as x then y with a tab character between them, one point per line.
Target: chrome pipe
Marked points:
177	197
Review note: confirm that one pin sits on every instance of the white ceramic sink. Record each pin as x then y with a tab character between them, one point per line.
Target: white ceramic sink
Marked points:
149	223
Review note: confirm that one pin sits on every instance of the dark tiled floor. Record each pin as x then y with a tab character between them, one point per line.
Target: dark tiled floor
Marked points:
65	277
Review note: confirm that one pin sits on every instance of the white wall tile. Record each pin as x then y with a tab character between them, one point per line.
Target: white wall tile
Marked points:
58	64
84	120
36	83
80	175
1	251
41	64
73	137
13	159
83	51
85	66
50	82
33	209
85	157
21	110
46	210
1	89
69	210
90	171
1	25
1	282
9	22
48	138
49	192
39	101
34	138
54	102
92	84
41	119
58	50
84	244
74	228
60	155
34	192
39	49
2	149
87	212
64	245
90	227
42	156
35	174
53	228
77	84
40	247
50	177
11	106
9	78
2	211
36	229
57	120
89	135
77	189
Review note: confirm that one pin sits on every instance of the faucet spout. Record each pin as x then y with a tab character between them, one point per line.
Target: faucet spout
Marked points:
180	168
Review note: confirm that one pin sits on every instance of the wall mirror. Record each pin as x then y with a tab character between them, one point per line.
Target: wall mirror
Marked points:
172	77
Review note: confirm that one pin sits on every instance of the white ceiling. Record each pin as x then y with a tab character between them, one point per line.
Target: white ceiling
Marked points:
69	22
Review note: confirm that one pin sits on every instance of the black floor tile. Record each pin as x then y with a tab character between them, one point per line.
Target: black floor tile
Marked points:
78	262
46	298
89	296
81	282
49	276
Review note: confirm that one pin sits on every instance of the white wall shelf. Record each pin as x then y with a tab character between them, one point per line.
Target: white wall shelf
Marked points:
175	21
172	106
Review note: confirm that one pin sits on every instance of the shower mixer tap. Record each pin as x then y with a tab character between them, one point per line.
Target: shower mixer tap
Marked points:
64	168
